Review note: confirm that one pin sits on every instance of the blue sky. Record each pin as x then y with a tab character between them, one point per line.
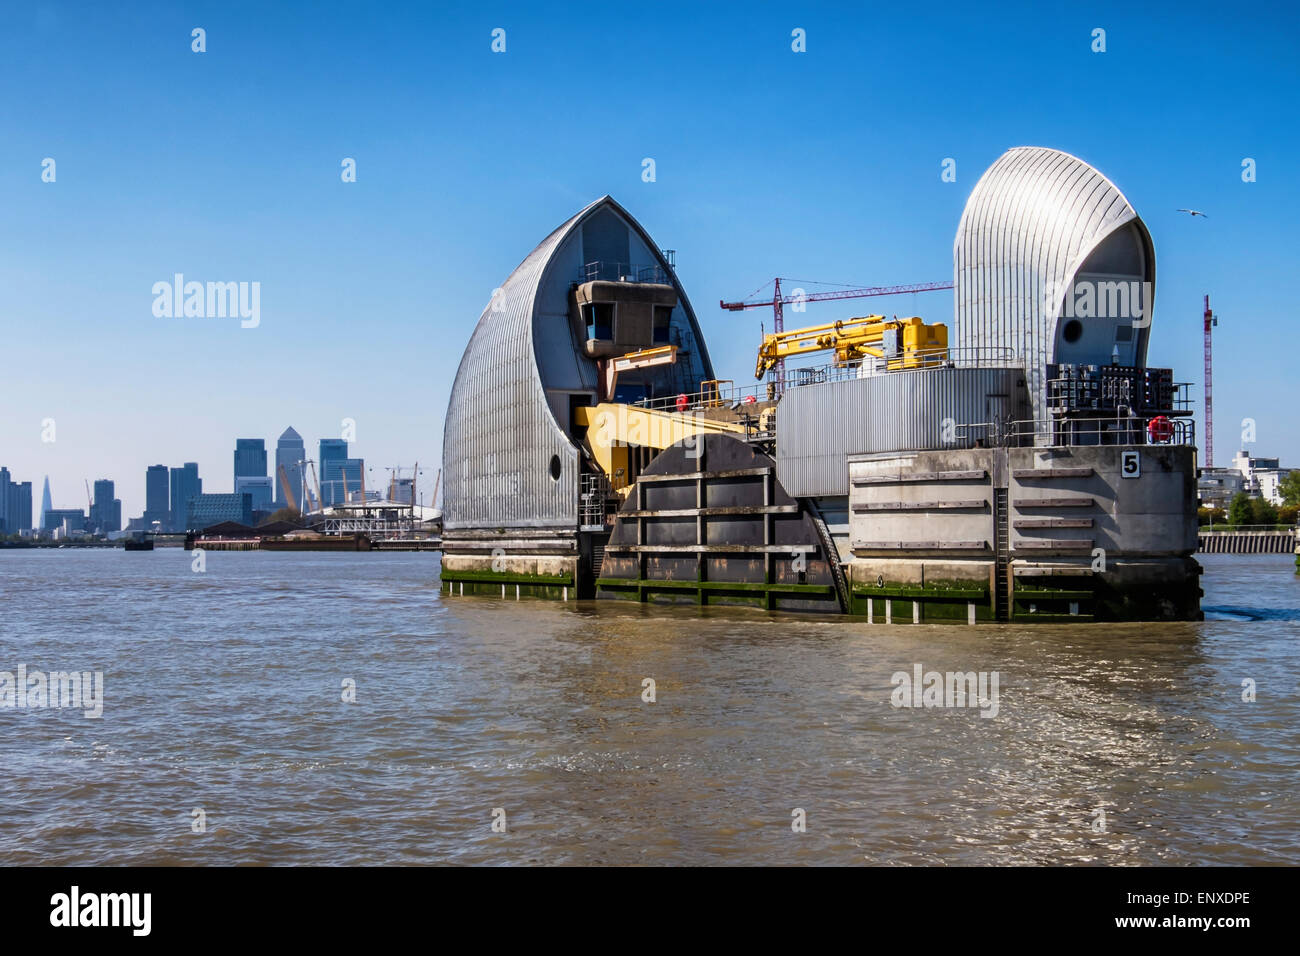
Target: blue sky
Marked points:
822	165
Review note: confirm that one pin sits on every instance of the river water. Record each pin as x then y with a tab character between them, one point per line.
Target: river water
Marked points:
223	693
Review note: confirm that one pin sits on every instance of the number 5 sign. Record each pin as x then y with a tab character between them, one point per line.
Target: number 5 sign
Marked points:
1130	464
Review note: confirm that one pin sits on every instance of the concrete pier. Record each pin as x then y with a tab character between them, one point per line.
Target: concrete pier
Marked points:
1025	534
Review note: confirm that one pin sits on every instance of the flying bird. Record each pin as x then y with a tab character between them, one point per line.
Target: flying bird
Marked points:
1195	212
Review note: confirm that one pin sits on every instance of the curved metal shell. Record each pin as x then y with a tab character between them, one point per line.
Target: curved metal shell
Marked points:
503	442
1037	220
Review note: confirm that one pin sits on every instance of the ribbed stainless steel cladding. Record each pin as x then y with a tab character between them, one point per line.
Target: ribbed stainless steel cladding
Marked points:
500	434
1031	223
819	426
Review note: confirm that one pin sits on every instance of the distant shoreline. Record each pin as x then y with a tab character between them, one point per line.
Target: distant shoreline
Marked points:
17	545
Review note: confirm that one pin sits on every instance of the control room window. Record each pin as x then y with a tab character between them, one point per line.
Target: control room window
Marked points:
663	317
599	319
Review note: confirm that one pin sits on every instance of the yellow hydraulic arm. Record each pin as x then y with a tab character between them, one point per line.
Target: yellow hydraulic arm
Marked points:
612	429
917	343
645	358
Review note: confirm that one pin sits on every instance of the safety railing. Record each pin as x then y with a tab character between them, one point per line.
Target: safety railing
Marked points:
593	501
1112	430
1126	389
710	397
963	357
601	271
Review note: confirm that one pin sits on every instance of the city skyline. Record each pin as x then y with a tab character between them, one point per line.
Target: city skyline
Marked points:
161	503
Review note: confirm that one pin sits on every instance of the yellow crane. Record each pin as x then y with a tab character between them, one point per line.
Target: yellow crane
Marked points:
904	343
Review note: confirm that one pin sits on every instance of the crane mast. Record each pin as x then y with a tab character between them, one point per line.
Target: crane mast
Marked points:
1210	320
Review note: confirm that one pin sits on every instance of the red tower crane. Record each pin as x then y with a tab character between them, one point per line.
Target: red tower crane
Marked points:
778	300
1211	320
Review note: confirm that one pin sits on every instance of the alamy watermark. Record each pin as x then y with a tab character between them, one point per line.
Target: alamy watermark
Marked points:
212	300
923	688
83	690
75	908
624	426
1103	299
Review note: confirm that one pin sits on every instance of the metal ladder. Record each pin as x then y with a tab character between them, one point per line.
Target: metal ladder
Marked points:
1002	554
832	555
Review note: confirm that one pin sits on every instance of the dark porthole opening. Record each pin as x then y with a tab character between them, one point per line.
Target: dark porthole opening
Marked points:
1073	329
555	467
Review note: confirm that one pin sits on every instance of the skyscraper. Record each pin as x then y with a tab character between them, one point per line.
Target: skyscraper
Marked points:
402	490
333	452
46	503
157	501
289	451
105	510
20	507
250	458
341	479
5	521
186	484
332	449
15	504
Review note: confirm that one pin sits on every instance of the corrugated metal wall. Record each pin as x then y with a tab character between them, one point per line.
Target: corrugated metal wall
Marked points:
819	426
500	434
1031	221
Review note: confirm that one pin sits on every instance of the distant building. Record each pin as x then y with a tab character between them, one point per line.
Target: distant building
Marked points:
5	483
66	520
250	458
15	505
1262	476
341	480
185	485
157	501
207	510
19	508
1269	483
259	490
105	510
289	453
333	453
331	449
1216	487
402	491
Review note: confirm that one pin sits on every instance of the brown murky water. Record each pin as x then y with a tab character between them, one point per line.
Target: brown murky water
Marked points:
223	693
